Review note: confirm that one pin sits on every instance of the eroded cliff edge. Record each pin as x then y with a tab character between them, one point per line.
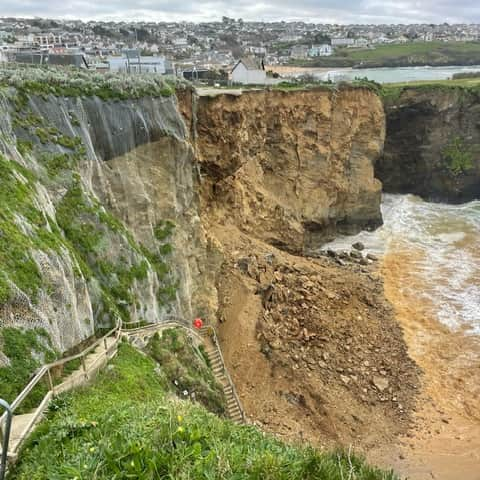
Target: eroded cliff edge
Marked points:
137	205
432	146
293	168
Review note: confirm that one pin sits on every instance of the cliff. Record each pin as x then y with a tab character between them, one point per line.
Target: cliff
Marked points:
432	145
111	188
293	168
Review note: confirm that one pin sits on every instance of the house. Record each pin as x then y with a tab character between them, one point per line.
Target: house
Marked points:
324	50
43	58
299	52
249	71
361	42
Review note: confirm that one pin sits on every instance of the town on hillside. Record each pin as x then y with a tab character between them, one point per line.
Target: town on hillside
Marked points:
227	50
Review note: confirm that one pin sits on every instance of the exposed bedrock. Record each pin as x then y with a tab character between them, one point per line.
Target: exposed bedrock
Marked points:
291	168
432	145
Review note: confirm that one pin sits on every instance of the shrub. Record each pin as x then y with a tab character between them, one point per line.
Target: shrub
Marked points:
458	156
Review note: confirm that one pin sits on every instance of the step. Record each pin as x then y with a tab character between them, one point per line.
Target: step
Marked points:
213	355
237	419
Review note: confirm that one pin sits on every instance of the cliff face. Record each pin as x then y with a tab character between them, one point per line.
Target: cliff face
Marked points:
432	145
291	168
100	201
108	204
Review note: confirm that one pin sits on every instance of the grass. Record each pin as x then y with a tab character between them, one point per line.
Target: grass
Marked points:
126	427
185	368
391	92
26	351
70	82
413	53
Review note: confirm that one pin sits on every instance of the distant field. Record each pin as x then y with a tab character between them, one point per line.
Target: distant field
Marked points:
408	54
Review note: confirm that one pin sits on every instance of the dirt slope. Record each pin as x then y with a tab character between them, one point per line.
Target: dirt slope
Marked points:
312	346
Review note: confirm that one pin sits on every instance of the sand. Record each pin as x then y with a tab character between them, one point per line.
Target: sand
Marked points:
444	442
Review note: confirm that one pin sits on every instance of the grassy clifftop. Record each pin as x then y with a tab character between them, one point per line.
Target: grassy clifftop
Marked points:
392	91
126	425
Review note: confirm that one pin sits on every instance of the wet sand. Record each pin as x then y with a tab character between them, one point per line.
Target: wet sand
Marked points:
444	441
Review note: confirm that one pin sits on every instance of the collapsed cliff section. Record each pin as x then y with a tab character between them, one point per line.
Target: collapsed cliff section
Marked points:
293	168
432	146
312	346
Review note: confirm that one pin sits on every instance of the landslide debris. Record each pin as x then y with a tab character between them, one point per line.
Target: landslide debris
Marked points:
337	365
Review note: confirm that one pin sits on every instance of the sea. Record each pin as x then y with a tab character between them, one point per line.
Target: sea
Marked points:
392	75
444	244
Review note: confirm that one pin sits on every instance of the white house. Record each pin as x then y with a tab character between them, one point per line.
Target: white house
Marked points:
324	50
249	71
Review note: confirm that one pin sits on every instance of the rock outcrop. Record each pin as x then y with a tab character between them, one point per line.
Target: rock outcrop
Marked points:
293	168
432	145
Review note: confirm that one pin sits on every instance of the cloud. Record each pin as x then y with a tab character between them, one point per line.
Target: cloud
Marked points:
321	11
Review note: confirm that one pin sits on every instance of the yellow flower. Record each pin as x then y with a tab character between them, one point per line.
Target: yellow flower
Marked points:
92	449
180	430
180	419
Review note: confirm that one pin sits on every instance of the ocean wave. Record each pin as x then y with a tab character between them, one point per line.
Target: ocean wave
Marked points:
448	237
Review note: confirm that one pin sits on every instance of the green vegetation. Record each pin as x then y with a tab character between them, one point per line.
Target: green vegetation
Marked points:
16	239
391	92
72	82
458	156
89	229
463	75
26	350
125	426
418	53
184	367
163	230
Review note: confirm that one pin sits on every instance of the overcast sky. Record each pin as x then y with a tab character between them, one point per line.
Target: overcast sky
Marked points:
321	11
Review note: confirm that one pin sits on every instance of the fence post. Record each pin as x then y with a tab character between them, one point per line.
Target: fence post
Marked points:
6	438
50	382
84	369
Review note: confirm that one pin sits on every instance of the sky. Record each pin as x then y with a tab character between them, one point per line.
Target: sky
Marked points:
318	11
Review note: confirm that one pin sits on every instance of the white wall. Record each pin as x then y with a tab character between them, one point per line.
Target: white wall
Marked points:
242	75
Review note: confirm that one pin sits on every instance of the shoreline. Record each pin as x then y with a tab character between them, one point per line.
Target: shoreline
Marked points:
444	439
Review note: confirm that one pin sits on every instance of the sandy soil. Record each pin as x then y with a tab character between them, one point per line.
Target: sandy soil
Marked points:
444	442
321	359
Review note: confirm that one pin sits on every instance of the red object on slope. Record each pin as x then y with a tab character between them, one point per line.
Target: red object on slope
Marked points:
197	323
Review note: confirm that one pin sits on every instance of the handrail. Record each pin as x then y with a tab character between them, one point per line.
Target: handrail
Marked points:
117	331
46	370
85	352
230	381
161	326
6	438
180	322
